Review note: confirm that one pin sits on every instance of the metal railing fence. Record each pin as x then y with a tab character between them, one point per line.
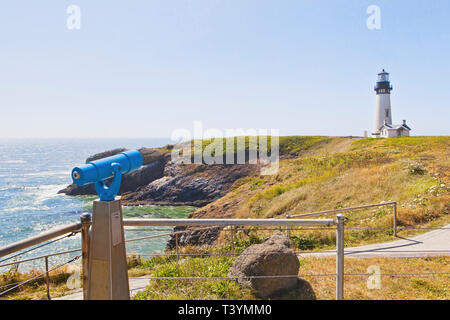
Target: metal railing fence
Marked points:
340	210
85	223
232	225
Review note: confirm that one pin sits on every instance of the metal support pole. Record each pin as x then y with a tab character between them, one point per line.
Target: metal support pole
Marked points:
176	247
47	278
232	239
288	232
340	257
85	224
394	222
177	255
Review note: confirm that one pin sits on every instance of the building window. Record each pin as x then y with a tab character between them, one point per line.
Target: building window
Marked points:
387	113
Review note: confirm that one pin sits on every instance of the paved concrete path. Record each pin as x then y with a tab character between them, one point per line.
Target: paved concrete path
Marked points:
136	285
435	243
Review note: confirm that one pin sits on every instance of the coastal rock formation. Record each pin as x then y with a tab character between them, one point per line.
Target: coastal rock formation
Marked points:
271	258
105	154
189	184
194	237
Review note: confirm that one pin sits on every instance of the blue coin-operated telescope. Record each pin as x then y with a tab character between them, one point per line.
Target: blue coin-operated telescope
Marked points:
107	268
112	167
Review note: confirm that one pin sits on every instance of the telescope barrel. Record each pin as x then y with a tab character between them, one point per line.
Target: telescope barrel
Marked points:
102	169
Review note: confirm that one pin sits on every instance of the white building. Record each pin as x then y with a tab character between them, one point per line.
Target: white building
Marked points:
395	130
383	126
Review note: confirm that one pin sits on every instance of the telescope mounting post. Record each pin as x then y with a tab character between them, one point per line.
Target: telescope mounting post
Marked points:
108	272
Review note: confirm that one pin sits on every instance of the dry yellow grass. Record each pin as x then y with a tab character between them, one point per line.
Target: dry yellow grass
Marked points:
37	289
393	287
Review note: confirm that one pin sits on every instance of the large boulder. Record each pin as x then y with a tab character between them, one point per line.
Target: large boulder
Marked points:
271	258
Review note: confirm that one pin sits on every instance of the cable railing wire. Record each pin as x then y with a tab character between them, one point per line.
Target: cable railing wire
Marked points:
39	257
40	275
39	246
295	276
294	229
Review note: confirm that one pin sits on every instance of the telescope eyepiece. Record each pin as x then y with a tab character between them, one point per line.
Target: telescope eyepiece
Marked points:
76	175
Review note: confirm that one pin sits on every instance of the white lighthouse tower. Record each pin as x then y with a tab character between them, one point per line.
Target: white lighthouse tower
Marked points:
383	126
383	114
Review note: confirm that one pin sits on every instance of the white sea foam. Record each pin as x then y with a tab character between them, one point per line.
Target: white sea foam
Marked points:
10	187
13	161
47	192
35	197
24	208
48	173
47	189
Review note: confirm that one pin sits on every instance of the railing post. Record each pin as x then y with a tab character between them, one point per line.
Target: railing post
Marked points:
176	247
288	232
394	222
85	224
232	239
47	278
340	257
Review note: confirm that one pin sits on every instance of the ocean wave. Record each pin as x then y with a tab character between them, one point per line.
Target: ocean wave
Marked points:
11	188
48	173
47	187
48	192
50	188
24	208
31	198
13	161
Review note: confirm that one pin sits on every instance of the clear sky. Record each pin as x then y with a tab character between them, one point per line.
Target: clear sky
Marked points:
146	68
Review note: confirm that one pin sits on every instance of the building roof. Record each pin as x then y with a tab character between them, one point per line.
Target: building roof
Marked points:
396	126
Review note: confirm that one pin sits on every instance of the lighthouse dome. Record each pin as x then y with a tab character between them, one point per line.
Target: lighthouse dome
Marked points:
383	76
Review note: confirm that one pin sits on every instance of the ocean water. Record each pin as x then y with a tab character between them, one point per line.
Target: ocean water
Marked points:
31	174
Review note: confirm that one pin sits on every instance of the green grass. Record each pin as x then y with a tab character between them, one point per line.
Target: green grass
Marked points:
288	145
149	211
158	211
192	289
320	287
294	145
